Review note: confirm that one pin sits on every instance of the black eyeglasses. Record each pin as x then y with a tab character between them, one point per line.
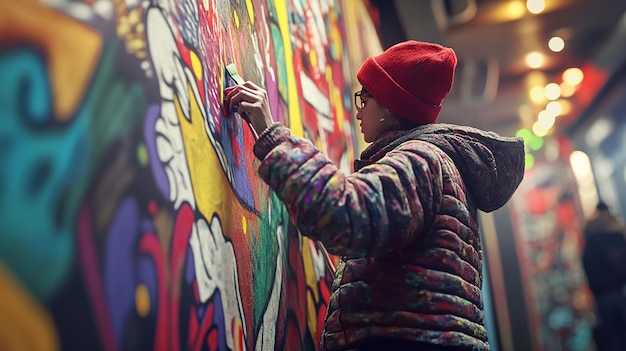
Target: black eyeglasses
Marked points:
358	100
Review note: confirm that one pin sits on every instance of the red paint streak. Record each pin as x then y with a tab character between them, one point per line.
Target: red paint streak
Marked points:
149	244
182	232
295	286
91	275
212	339
236	149
196	292
293	339
152	208
321	315
239	336
324	291
204	329
193	323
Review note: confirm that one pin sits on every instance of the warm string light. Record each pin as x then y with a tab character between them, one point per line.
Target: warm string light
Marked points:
535	6
553	95
556	44
534	59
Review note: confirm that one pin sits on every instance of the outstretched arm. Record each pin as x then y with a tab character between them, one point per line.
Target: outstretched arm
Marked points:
376	210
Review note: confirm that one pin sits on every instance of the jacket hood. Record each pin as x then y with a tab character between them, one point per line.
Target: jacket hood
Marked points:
492	166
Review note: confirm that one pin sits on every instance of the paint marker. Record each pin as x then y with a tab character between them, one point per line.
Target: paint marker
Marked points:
231	71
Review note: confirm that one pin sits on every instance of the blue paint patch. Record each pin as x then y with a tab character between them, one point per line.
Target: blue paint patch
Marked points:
39	166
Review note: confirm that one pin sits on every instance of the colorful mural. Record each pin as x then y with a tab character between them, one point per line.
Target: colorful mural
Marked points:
131	215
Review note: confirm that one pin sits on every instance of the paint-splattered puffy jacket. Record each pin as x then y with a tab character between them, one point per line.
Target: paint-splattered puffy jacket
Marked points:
404	223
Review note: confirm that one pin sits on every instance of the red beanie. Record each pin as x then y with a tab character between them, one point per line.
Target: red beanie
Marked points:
410	79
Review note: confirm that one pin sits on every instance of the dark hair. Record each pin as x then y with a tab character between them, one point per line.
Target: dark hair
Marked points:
602	206
404	124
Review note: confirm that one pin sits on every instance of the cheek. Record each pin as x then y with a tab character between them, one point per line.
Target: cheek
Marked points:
368	118
370	127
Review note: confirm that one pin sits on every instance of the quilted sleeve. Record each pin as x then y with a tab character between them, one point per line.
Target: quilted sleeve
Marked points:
380	208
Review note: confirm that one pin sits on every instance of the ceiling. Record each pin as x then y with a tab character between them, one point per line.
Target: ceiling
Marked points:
491	39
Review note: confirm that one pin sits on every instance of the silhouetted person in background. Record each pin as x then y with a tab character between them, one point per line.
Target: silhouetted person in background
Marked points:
604	262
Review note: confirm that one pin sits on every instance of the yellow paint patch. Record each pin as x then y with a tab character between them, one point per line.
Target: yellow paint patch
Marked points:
26	325
211	188
310	276
328	74
236	19
238	335
311	306
142	300
222	75
72	48
307	261
295	118
142	154
250	8
202	160
244	224
196	65
336	40
335	98
313	58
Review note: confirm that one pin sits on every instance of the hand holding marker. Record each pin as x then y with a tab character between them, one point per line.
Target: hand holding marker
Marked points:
231	70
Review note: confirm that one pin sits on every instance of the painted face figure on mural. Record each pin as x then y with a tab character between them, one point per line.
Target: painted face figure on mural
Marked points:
404	222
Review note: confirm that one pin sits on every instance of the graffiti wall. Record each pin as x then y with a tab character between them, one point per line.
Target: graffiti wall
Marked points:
131	217
549	238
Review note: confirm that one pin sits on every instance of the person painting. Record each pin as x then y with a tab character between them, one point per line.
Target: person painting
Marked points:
405	222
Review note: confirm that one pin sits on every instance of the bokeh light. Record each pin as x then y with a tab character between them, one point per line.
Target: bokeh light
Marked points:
552	91
536	94
573	76
533	141
534	59
556	44
535	6
555	108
